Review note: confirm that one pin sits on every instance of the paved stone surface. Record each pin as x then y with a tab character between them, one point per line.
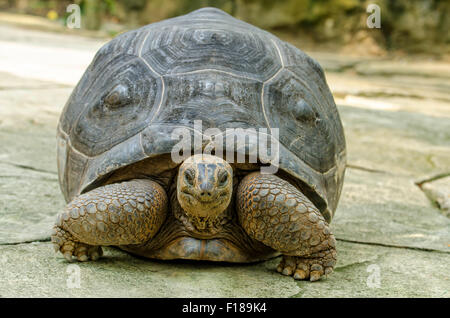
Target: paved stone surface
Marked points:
28	202
362	271
118	274
60	58
391	210
439	193
397	125
374	271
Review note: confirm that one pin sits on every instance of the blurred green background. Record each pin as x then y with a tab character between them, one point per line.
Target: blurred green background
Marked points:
417	26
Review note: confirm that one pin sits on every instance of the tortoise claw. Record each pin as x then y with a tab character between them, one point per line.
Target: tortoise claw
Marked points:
64	242
307	268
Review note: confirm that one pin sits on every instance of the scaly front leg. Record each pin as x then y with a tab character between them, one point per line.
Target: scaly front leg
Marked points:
274	212
116	214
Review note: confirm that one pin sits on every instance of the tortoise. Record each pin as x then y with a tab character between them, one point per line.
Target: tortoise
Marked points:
125	188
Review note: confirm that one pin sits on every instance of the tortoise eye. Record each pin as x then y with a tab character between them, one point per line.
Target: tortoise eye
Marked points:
302	111
223	178
118	97
189	176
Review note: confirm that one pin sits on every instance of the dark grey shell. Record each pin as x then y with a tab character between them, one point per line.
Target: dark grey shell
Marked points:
204	66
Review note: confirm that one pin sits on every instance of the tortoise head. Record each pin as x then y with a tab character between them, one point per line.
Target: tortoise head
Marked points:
204	186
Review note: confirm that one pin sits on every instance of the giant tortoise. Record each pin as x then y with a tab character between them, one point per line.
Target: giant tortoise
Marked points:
116	149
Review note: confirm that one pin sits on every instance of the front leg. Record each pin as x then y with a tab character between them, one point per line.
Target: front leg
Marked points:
274	212
116	214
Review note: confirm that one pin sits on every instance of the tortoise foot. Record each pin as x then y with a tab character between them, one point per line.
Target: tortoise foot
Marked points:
308	268
126	213
65	243
277	214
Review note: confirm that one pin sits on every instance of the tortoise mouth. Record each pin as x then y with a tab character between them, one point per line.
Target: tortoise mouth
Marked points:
197	205
206	200
195	197
202	219
201	198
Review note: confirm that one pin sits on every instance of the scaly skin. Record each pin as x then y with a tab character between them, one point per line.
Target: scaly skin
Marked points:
269	209
274	212
116	214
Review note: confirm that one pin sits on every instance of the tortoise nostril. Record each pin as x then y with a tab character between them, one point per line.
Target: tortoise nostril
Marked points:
205	194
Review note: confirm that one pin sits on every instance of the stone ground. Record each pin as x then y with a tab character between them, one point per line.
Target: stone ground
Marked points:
391	225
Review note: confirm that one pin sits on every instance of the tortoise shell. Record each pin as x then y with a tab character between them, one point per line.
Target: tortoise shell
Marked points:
206	66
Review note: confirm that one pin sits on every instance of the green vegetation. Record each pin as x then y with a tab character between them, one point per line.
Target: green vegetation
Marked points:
417	26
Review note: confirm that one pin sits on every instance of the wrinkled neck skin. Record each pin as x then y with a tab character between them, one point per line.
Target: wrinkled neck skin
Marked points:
202	227
204	191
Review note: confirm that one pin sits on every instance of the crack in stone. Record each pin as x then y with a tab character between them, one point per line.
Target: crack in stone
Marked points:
27	167
432	178
33	88
29	177
424	249
431	195
387	95
389	74
43	240
351	166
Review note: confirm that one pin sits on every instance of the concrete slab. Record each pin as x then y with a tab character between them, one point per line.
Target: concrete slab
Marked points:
375	271
33	270
29	202
391	210
396	142
397	133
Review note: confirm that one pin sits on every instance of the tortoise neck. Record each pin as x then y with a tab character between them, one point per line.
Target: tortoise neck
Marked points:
198	226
